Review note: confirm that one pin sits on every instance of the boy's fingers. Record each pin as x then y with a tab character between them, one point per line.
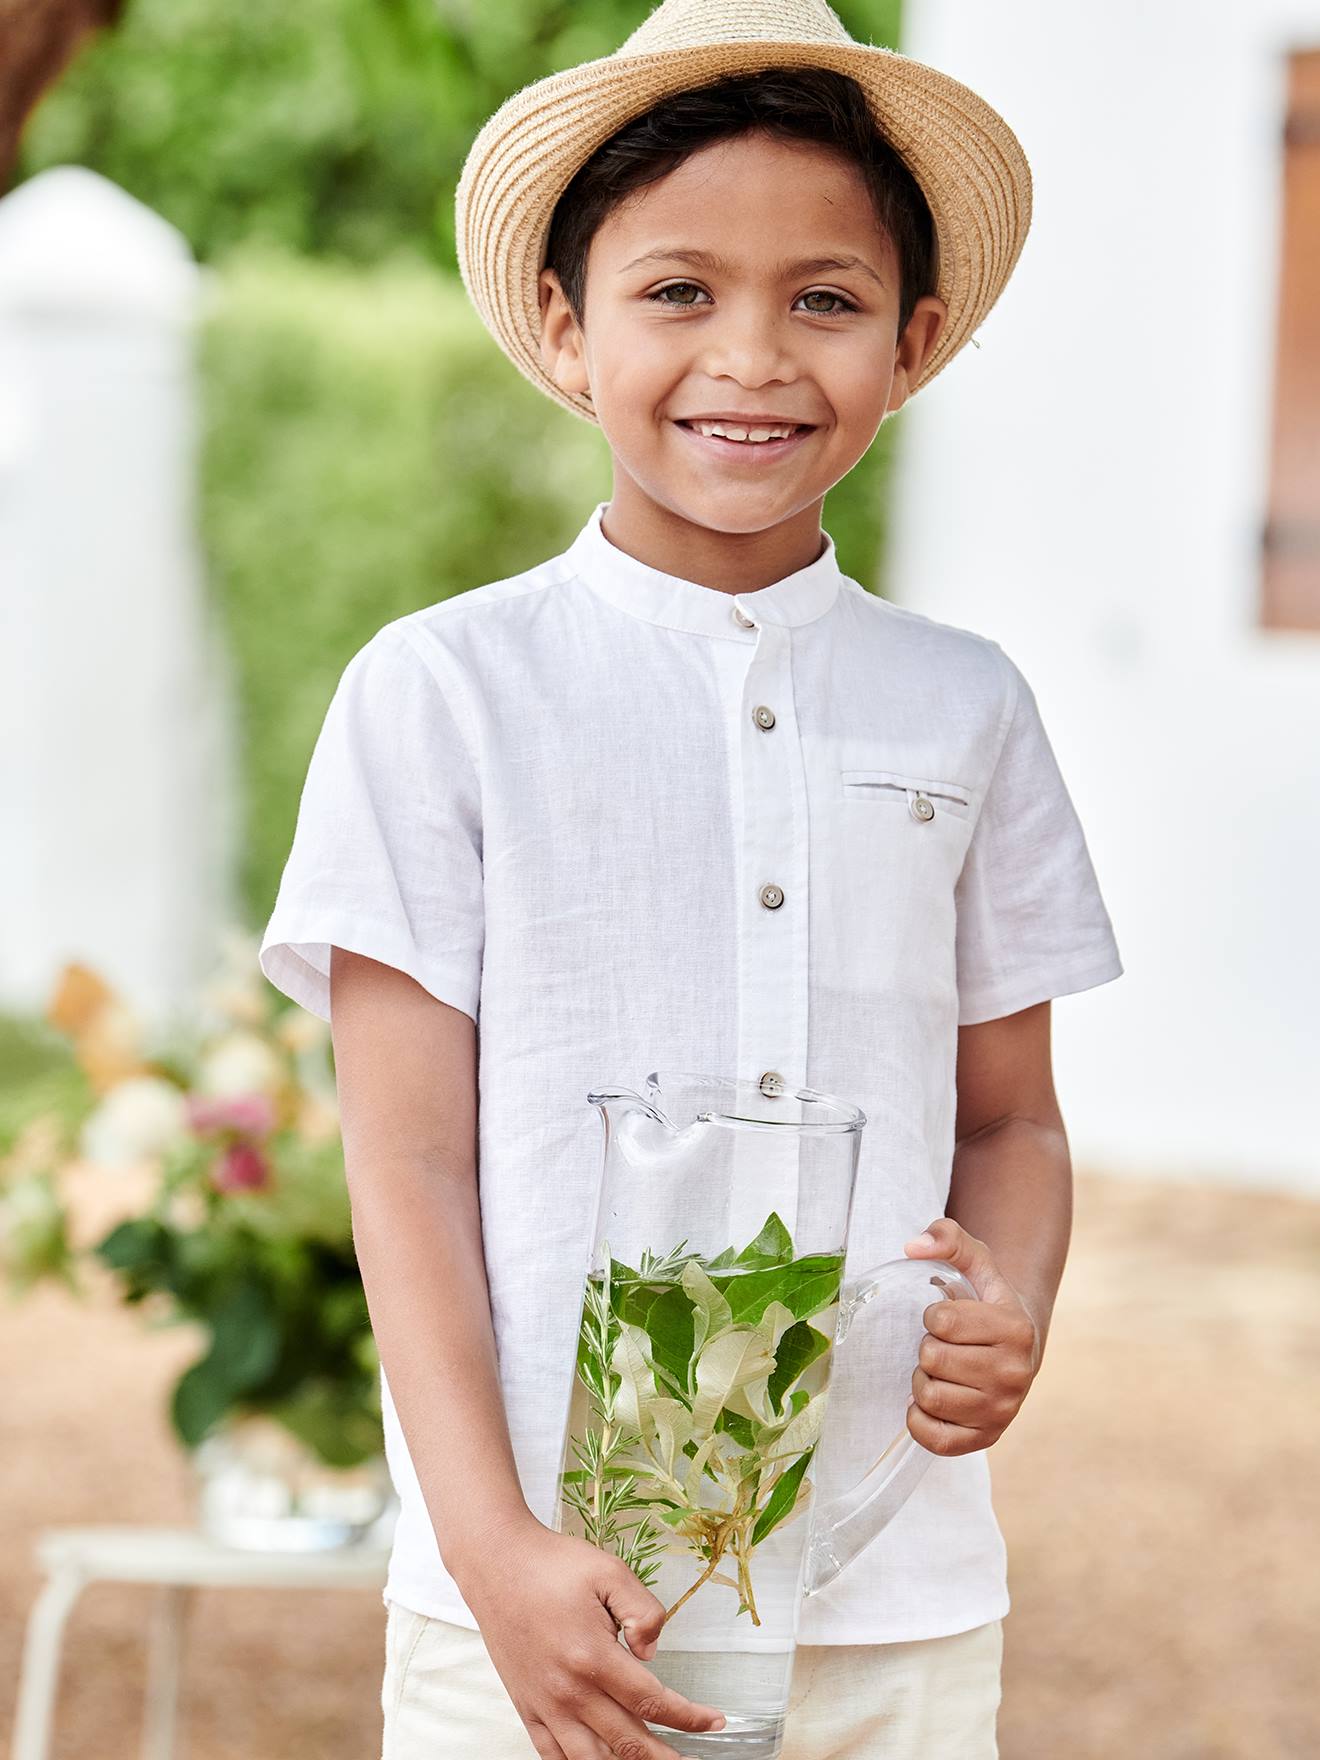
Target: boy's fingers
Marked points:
620	1719
635	1689
954	1402
963	1251
963	1322
950	1241
941	1437
971	1365
545	1744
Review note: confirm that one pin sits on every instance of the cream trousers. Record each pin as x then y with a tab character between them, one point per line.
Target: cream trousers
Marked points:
443	1699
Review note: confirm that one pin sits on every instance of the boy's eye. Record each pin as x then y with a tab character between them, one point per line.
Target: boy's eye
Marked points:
841	303
824	293
673	287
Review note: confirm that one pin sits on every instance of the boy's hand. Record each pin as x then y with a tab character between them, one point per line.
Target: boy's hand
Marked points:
977	1359
550	1607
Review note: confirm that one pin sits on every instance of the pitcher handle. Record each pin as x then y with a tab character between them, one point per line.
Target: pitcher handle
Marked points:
852	1520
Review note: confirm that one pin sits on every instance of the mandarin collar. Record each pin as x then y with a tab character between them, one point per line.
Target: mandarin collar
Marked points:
649	593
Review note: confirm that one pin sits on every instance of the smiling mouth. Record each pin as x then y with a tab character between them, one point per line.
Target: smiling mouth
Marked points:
715	445
745	432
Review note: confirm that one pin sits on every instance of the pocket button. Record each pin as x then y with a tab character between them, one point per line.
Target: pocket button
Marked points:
921	806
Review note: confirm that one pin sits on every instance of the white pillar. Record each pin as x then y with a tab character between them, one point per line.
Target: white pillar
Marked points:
115	784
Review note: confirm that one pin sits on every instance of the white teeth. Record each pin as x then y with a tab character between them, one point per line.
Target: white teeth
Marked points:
731	433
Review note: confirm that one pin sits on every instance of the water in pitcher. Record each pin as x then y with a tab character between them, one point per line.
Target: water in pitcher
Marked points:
696	1409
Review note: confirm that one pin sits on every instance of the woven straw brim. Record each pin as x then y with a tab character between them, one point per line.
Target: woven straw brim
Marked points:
967	161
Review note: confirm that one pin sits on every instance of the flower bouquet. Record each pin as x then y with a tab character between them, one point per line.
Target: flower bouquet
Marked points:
241	1227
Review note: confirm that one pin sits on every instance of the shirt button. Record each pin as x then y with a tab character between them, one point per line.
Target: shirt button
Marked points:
740	617
772	1082
772	897
921	807
762	716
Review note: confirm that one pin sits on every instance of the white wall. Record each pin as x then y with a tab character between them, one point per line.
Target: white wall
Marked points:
1087	487
116	786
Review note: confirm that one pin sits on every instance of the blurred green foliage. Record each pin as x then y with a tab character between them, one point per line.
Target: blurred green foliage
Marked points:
38	1073
367	450
330	127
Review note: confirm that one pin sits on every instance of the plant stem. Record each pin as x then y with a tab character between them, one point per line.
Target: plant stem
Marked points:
607	1438
717	1552
741	1552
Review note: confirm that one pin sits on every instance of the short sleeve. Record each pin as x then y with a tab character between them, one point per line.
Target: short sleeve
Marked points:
1031	923
386	852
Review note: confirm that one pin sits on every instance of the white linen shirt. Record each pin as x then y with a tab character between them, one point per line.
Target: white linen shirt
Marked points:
629	822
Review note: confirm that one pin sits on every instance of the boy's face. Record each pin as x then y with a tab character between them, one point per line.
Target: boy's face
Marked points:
748	330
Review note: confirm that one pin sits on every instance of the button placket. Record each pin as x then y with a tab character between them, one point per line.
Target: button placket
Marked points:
772	989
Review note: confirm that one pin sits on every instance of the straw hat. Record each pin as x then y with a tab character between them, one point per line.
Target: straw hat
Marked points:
966	159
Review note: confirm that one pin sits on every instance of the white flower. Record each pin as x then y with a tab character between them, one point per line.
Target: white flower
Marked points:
138	1117
241	1063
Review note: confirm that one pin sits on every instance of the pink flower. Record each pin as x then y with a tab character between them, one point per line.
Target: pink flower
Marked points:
240	1168
253	1113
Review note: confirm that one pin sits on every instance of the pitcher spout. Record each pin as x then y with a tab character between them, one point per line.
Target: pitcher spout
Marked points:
624	1112
616	1104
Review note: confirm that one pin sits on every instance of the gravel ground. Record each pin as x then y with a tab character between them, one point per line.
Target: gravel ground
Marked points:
1159	1493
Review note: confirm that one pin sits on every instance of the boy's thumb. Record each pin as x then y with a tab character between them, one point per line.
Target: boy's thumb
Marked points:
636	1611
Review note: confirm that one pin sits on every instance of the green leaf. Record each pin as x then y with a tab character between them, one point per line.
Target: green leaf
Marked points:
246	1334
772	1246
140	1247
806	1287
782	1500
201	1397
742	1429
245	1344
798	1349
665	1315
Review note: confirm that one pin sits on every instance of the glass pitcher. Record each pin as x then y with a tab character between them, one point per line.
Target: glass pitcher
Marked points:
713	1306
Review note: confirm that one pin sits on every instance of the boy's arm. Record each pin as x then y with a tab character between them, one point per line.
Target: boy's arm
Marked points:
1012	1172
1007	1226
406	1068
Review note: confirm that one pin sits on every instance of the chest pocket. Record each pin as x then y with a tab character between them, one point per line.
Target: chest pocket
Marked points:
890	882
923	799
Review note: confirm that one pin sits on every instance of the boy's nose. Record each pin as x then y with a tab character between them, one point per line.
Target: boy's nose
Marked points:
748	349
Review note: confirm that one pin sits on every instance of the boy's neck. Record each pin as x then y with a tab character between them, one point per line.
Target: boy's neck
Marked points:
729	562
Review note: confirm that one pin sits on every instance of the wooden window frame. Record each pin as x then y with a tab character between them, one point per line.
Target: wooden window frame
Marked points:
1290	540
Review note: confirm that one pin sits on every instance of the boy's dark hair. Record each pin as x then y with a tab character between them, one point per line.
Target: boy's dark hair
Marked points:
801	103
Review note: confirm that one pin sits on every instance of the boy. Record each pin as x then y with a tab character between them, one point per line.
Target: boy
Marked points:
688	797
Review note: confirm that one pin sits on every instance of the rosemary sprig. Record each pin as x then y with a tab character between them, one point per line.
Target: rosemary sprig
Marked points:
608	1494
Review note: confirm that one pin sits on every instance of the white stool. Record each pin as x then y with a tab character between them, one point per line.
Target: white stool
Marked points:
179	1560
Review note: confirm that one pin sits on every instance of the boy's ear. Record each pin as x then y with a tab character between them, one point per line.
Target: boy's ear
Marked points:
915	346
561	339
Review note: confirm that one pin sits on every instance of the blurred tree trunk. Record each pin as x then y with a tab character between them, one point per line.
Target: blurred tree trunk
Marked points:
38	39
